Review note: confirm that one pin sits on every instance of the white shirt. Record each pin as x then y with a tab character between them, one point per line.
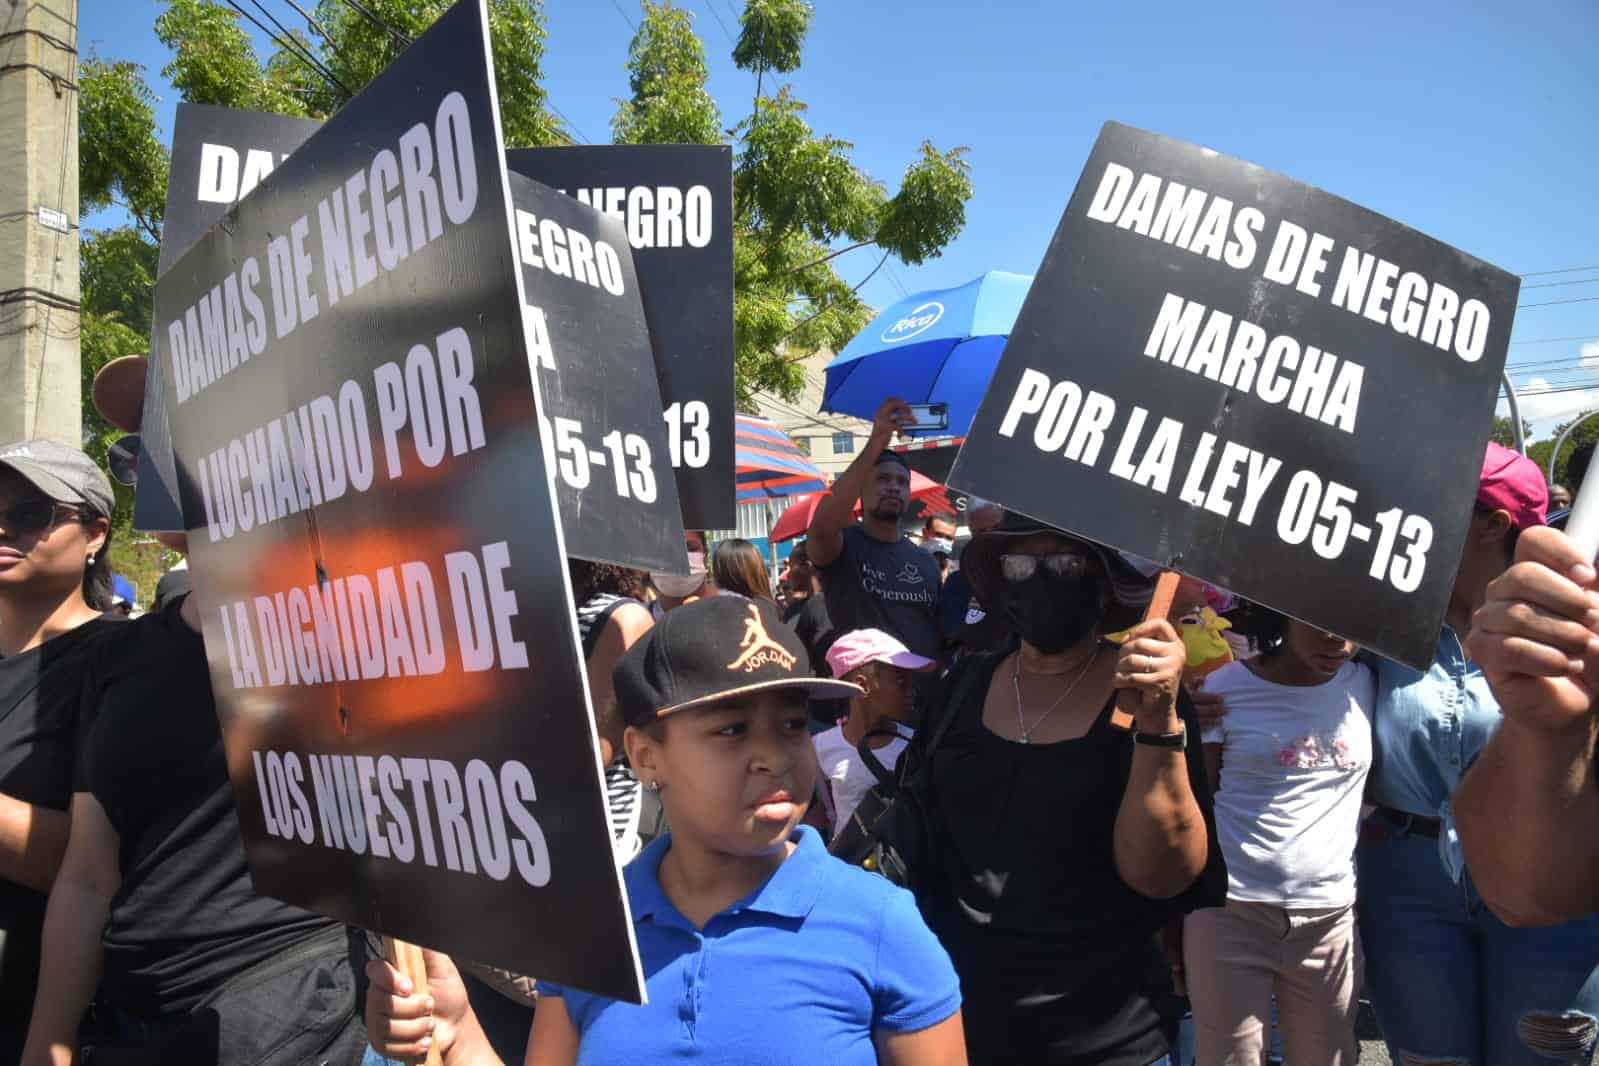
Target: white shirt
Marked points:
1294	765
849	778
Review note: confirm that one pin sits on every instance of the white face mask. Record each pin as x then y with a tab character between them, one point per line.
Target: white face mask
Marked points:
941	544
676	586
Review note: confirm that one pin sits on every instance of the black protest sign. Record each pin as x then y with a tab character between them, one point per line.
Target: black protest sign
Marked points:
375	544
219	154
1253	381
676	202
599	400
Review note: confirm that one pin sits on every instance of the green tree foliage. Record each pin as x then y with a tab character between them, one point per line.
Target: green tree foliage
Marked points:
215	63
666	75
121	160
1504	432
1539	452
355	49
800	202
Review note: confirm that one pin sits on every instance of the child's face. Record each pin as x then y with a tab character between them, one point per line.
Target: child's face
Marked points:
737	774
891	692
1322	653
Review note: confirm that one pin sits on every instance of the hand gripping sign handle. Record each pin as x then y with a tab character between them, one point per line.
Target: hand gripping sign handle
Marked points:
1159	607
407	958
1583	524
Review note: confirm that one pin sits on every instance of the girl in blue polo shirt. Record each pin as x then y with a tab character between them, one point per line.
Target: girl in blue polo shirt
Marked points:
757	946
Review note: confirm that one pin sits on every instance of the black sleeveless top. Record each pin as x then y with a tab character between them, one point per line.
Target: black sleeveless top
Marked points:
1057	956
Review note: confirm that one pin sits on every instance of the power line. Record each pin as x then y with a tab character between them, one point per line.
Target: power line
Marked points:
1557	284
562	116
1562	270
1551	340
304	57
287	36
361	9
711	4
625	19
1552	303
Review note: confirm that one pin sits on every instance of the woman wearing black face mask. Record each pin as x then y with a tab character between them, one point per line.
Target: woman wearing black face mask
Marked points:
1061	843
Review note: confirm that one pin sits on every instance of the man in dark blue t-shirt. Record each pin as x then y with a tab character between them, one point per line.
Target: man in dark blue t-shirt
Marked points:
872	576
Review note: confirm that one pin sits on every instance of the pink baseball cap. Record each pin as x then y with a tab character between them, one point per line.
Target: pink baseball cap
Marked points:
1513	483
858	647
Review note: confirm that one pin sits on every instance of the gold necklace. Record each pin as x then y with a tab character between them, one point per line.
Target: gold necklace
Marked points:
1016	686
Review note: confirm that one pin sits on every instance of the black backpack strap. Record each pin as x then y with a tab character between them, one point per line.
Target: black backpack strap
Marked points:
963	678
869	759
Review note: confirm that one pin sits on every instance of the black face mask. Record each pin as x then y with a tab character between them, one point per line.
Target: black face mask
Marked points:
1052	612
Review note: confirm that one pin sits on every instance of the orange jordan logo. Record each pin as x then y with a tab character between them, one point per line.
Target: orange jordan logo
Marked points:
758	649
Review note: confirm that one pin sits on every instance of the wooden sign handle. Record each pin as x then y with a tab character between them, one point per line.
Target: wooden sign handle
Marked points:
407	958
1159	607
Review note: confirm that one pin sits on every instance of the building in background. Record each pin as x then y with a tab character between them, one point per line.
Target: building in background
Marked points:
830	440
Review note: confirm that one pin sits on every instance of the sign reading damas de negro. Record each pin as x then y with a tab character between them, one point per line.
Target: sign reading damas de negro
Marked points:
219	154
1255	382
380	568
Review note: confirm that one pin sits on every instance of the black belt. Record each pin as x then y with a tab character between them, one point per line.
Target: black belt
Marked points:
1411	824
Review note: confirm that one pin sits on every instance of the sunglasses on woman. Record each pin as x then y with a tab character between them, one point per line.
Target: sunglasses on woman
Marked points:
32	516
1021	567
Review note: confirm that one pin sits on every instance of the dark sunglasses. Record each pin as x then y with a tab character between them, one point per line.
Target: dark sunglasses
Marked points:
32	516
1021	567
123	459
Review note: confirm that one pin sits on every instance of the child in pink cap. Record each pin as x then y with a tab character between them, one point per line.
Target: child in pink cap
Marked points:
882	667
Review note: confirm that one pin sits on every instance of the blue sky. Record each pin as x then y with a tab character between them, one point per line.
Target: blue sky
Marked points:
1473	123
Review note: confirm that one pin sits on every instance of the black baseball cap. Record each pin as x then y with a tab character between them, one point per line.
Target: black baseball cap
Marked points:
712	649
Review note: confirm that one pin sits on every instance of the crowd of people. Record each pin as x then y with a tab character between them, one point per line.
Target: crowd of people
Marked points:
1108	846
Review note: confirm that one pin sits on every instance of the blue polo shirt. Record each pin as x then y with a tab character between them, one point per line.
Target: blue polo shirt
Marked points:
803	970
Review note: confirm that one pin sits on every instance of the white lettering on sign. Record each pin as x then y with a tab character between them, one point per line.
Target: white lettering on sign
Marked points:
1173	213
226	179
212	337
323	449
661	216
1239	355
384	624
399	203
545	244
473	820
1430	312
1224	477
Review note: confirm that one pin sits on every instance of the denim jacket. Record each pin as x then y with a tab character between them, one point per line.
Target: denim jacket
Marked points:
1430	727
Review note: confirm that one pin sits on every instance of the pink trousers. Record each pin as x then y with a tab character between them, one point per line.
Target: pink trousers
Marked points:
1236	957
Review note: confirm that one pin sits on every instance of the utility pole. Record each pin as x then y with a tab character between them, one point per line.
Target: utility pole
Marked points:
40	376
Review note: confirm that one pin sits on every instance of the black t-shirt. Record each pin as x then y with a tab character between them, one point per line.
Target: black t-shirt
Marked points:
185	919
892	587
40	696
1056	955
815	630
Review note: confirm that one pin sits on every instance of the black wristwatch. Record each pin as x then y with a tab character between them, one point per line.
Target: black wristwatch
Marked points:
1175	741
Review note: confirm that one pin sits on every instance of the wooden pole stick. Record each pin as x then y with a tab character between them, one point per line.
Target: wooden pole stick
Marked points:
407	958
1159	607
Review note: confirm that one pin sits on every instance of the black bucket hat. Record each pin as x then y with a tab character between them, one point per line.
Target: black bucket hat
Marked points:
1130	590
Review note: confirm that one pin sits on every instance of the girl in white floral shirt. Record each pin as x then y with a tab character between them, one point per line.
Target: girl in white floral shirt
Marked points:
1289	763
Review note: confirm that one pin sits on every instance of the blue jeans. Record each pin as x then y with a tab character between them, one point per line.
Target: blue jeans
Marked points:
1452	983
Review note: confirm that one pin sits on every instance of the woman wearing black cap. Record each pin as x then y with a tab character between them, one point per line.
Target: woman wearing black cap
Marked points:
156	947
1061	844
54	583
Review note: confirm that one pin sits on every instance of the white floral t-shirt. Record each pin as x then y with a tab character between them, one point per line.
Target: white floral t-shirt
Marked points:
1294	765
